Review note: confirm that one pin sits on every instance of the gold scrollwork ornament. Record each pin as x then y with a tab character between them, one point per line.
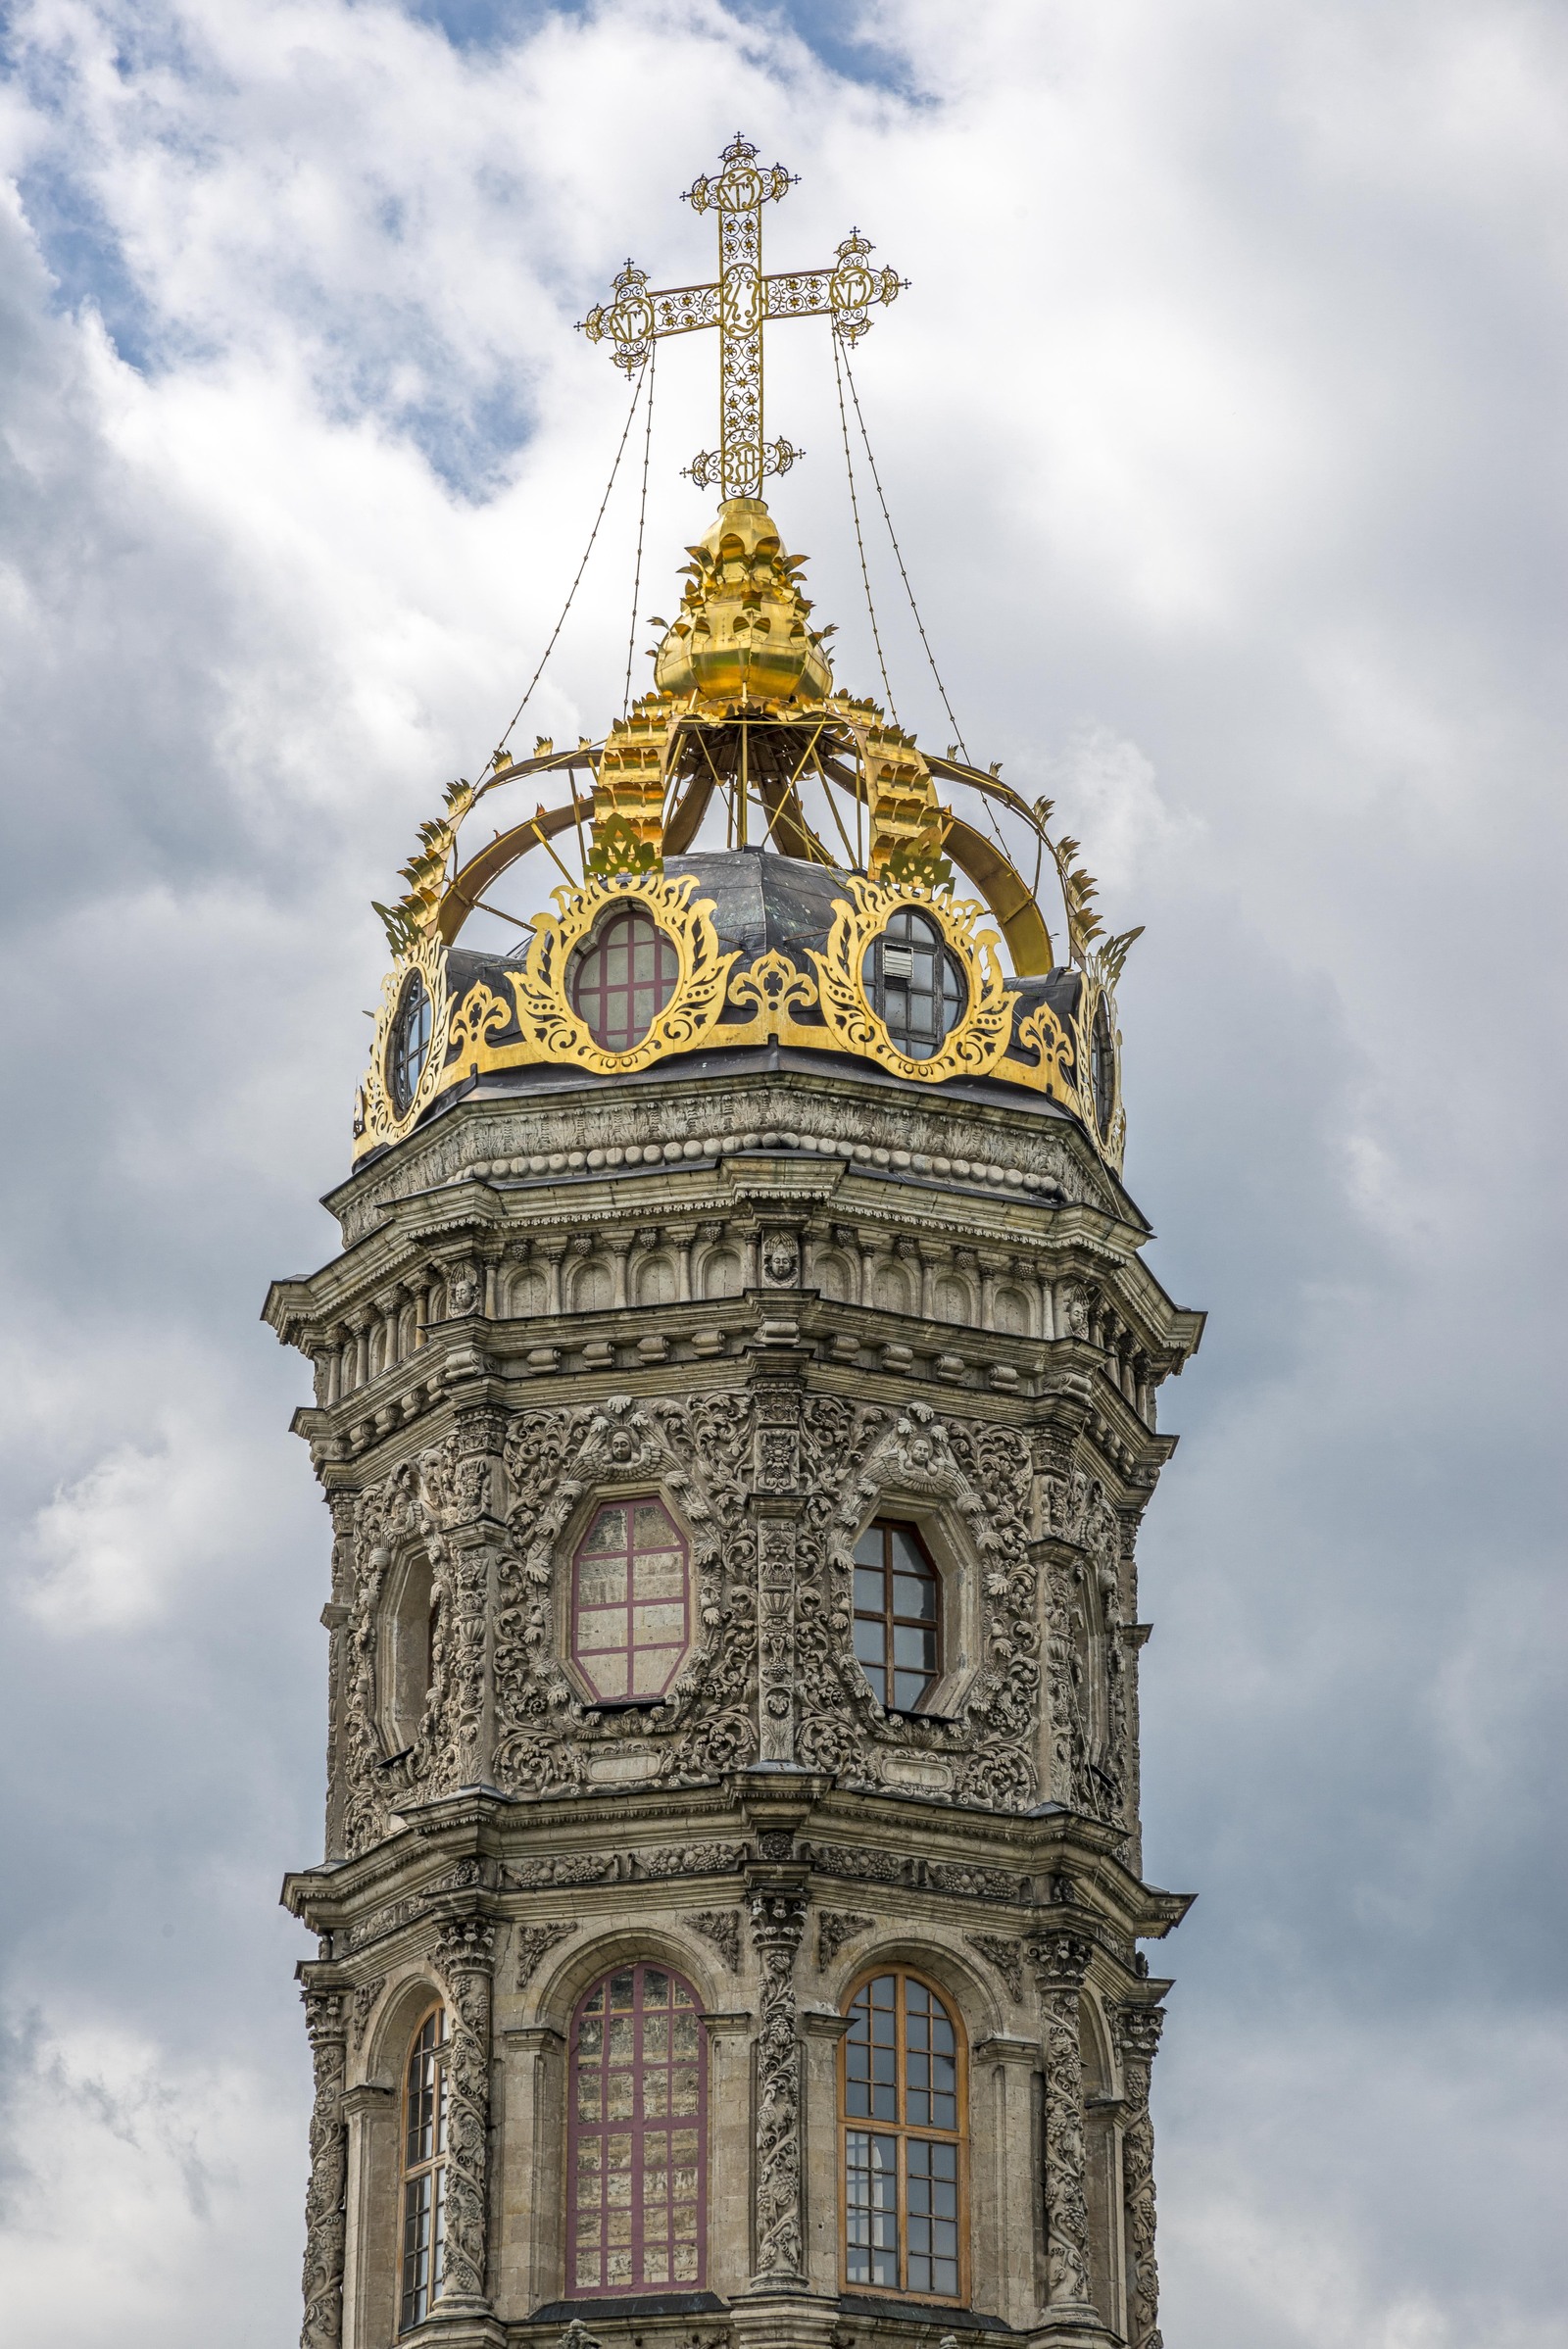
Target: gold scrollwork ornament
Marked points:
979	1037
554	1030
375	1115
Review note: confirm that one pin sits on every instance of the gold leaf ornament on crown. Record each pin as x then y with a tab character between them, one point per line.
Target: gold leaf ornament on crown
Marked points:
821	1009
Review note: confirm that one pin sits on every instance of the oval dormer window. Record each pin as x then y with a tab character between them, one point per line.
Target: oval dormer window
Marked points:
1103	1065
624	978
409	1045
915	985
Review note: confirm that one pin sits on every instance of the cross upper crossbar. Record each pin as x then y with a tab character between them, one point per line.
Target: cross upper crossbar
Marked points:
740	303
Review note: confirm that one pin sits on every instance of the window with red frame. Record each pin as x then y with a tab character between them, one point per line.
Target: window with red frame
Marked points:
630	1602
638	2162
622	979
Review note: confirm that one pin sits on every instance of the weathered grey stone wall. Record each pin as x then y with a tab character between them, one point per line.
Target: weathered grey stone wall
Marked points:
934	1310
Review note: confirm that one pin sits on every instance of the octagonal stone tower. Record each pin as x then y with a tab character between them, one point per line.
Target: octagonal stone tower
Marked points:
735	1397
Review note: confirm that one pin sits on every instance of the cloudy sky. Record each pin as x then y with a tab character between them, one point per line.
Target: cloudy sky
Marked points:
1223	426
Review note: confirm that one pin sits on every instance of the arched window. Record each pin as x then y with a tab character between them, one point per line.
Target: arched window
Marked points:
425	2162
898	1615
630	1602
410	1633
903	2100
914	984
638	2160
622	979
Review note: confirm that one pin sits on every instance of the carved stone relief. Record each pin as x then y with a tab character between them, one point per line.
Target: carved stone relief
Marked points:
778	1921
1061	1962
835	1926
1138	2029
364	1997
546	1736
1085	1664
1006	1956
323	2193
534	1943
979	1474
464	1955
721	1927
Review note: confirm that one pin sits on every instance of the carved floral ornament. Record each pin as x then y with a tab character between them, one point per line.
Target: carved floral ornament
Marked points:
1046	1647
820	1003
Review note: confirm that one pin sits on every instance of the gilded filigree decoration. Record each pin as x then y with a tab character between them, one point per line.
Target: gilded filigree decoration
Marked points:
979	1037
739	305
377	1121
553	1028
773	999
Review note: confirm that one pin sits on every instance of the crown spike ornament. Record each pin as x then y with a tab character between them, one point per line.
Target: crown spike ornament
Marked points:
740	302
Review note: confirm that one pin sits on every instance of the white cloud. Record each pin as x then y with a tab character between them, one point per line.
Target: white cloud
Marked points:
113	1546
193	2170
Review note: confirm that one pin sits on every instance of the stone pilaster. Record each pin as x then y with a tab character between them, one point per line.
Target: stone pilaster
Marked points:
324	2217
776	1472
1138	2029
1061	1961
778	1921
465	1959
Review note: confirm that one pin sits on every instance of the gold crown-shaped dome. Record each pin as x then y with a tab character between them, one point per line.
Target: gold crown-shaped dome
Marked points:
743	633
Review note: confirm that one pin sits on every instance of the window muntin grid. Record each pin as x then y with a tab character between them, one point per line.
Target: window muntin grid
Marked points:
424	2148
901	2092
409	1044
898	1615
638	2149
630	1602
914	984
623	978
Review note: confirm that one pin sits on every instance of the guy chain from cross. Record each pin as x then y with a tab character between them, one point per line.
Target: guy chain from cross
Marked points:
738	304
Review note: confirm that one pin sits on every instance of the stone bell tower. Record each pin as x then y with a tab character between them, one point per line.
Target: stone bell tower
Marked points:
735	1397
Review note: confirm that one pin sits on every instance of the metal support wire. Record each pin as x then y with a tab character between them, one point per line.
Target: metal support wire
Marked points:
839	372
898	552
642	517
625	432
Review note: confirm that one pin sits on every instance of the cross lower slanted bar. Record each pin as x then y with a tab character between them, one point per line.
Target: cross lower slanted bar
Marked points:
739	304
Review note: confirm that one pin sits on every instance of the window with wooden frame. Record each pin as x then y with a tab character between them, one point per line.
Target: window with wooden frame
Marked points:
623	977
424	2163
903	2099
630	1602
898	1615
637	2159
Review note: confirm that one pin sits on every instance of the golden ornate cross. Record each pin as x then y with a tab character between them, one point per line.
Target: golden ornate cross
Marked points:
739	304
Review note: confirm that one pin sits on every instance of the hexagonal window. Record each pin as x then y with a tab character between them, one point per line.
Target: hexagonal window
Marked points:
630	1602
897	1614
